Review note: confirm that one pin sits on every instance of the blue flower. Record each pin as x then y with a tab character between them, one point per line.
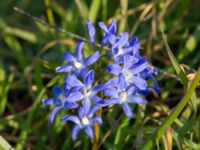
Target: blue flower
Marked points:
122	95
84	120
84	90
130	71
76	63
91	31
60	101
120	48
109	32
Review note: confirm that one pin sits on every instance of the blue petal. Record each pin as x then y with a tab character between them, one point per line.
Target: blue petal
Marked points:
99	87
110	92
127	109
128	61
75	131
92	111
139	82
127	50
73	81
53	113
82	72
75	96
49	101
121	83
113	27
122	41
136	52
114	69
92	58
89	78
96	119
81	112
133	40
89	132
97	100
56	90
91	31
79	48
131	89
140	67
69	57
103	27
64	68
71	118
111	38
104	41
111	101
136	99
86	105
111	83
70	105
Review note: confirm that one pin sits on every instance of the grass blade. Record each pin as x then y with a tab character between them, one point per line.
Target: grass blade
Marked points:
94	9
4	144
160	131
175	63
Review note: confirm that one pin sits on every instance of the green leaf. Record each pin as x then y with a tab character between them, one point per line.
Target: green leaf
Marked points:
82	7
94	10
121	133
123	22
191	43
4	88
4	145
160	131
187	126
26	35
175	63
179	72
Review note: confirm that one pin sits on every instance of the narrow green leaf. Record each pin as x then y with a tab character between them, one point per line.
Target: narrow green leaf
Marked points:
179	72
187	126
191	43
123	23
82	7
4	88
16	48
94	10
160	131
4	145
175	63
26	35
121	133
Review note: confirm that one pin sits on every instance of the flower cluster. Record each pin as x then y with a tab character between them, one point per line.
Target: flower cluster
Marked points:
79	91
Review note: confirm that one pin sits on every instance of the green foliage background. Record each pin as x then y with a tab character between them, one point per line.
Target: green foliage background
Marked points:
29	51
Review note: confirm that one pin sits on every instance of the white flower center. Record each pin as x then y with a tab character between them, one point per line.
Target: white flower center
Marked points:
85	121
120	52
87	93
61	97
77	64
123	97
128	76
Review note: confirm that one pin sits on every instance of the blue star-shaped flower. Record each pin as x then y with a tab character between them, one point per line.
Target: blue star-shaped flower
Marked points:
84	120
130	71
76	63
84	90
60	101
122	94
